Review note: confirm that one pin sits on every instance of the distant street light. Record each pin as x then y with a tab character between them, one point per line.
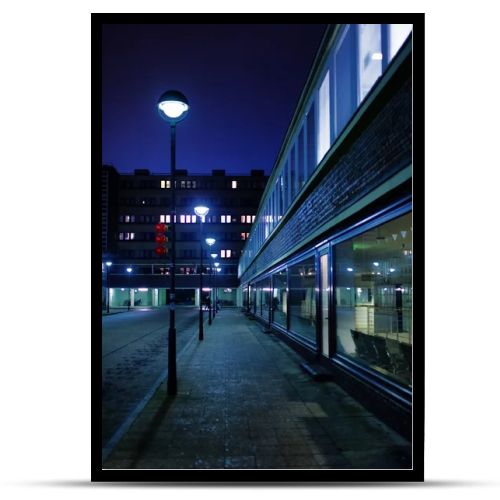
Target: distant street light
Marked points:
210	242
217	268
214	256
201	212
172	107
108	265
129	270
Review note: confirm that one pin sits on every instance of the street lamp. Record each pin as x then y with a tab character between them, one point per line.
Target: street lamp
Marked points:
129	270
108	265
214	256
210	242
217	268
201	212
172	107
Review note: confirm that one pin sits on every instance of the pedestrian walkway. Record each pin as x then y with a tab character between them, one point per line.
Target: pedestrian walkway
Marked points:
244	402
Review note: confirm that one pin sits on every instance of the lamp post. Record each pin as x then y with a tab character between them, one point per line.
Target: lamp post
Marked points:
217	268
210	242
108	265
172	107
201	212
214	256
129	270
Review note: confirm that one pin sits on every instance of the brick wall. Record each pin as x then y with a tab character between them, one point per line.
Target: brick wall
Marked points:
378	148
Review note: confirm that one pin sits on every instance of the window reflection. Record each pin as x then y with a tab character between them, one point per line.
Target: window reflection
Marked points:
279	302
263	298
302	303
373	296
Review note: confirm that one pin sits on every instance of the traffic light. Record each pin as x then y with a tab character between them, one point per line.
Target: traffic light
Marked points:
161	239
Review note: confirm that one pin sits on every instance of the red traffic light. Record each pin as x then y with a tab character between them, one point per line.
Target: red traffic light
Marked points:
161	238
161	228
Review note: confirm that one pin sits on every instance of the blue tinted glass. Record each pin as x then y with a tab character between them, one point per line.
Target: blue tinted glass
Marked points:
345	79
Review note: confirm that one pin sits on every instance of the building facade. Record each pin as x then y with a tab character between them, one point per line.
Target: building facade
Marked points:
109	208
144	200
328	263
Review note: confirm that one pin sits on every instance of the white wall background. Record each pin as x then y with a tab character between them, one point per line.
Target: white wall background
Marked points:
45	362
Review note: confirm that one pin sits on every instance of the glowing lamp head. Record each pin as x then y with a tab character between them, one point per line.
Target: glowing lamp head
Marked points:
218	269
201	211
210	241
213	255
108	263
173	106
216	264
129	269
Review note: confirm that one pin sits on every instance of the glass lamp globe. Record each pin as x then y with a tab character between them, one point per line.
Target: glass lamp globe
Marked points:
173	106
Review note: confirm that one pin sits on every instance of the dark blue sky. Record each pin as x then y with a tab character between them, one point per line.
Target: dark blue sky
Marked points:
242	81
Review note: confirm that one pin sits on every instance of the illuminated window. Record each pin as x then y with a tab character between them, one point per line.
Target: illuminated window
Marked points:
398	33
127	218
223	219
183	219
249	219
183	184
370	56
243	219
165	184
253	218
324	118
225	254
234	184
162	218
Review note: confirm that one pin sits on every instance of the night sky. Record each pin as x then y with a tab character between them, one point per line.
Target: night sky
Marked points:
242	82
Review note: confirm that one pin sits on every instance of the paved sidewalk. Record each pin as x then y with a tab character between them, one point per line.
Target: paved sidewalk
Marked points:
244	402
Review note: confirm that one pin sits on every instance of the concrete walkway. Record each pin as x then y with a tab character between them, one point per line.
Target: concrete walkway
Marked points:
244	402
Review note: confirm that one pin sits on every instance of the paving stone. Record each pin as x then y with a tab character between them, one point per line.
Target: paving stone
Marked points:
244	402
240	462
271	462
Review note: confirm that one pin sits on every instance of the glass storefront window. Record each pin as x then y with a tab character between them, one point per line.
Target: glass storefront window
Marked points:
251	298
373	296
302	298
263	297
279	300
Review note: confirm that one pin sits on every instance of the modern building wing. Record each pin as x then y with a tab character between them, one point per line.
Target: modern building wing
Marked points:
328	262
